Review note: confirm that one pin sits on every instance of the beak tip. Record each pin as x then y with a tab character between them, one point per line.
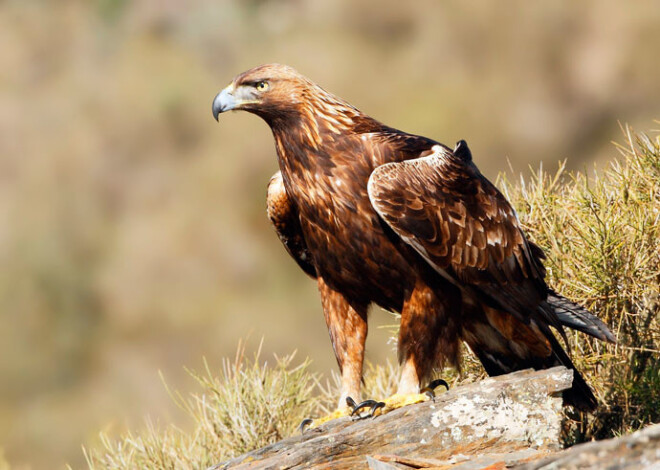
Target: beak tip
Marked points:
216	107
224	101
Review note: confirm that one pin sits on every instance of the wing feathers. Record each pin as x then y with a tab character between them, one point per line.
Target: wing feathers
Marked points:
455	214
464	227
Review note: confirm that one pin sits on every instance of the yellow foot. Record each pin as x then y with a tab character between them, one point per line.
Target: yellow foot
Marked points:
373	407
398	400
329	417
309	423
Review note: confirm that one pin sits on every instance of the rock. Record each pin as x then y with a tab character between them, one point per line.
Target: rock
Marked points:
639	450
501	421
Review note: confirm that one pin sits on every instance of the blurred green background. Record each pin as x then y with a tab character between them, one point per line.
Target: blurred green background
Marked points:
133	235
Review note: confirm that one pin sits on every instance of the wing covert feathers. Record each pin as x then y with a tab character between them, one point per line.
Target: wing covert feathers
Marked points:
454	217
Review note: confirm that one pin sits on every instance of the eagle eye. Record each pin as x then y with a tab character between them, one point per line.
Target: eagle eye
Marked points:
261	86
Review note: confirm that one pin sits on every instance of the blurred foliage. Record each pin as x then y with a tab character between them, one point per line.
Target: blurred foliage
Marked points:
133	235
111	10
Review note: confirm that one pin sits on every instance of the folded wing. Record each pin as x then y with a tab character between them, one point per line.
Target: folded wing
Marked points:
464	227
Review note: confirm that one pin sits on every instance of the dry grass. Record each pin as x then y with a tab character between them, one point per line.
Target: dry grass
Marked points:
600	235
248	405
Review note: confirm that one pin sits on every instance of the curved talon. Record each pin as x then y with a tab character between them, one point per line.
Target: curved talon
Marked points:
351	403
429	390
372	410
364	404
373	405
303	425
436	383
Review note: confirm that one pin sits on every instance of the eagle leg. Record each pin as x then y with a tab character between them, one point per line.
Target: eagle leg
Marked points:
429	335
338	413
427	338
398	400
347	325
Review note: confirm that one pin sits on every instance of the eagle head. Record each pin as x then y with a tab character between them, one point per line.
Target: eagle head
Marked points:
267	90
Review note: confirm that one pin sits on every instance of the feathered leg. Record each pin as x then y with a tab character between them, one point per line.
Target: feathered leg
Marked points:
347	325
428	336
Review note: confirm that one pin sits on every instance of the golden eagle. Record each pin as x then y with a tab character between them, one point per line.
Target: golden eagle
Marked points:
380	216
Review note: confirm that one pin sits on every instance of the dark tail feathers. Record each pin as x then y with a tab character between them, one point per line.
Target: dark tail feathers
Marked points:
579	318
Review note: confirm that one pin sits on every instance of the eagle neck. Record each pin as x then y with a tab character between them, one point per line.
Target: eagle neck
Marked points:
317	119
296	153
305	139
312	139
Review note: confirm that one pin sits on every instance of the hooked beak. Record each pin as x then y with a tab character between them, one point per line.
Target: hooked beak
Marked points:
224	101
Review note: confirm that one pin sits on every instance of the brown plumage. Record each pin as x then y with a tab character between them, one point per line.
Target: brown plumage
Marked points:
379	216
